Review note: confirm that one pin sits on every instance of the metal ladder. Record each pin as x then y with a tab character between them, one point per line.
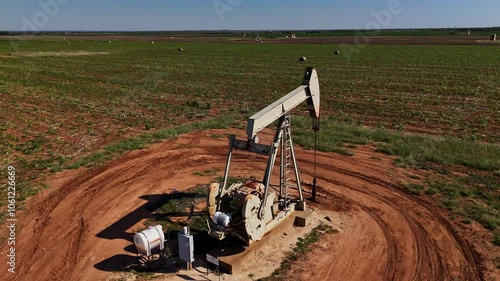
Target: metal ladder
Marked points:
286	161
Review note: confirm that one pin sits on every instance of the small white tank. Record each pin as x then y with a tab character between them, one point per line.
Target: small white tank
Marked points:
149	239
222	219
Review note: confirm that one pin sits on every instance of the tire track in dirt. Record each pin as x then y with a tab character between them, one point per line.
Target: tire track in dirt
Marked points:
392	251
45	210
90	183
425	249
81	191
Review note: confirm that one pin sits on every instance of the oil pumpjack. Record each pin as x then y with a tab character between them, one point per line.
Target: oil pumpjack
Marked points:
250	210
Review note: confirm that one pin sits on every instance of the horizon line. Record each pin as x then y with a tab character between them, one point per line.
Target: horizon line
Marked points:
261	30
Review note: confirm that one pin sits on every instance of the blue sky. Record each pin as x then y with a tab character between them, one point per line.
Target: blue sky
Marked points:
243	14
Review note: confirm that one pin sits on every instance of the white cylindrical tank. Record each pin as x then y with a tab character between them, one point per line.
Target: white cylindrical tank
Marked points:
222	219
149	239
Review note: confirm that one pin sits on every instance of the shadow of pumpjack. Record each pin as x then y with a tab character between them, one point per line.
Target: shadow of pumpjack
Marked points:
118	230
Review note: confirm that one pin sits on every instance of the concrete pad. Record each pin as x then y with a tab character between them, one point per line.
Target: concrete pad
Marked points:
233	258
301	218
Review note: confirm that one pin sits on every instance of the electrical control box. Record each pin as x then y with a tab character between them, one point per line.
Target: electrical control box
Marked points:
186	247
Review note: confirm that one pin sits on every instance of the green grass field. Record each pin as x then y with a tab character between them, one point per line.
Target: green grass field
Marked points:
445	90
61	110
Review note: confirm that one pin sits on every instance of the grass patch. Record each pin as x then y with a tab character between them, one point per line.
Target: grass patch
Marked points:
143	275
415	177
431	191
466	221
447	151
231	180
414	188
142	141
209	172
411	149
496	239
24	190
488	217
302	247
468	197
177	205
474	196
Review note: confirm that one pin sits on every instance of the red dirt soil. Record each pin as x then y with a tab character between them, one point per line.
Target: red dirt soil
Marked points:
80	228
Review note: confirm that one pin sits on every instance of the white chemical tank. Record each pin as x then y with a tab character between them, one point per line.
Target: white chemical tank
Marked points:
149	239
222	219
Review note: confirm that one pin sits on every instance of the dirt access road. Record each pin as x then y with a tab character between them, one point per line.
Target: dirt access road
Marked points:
81	228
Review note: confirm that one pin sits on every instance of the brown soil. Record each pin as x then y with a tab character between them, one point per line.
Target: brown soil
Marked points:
82	227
